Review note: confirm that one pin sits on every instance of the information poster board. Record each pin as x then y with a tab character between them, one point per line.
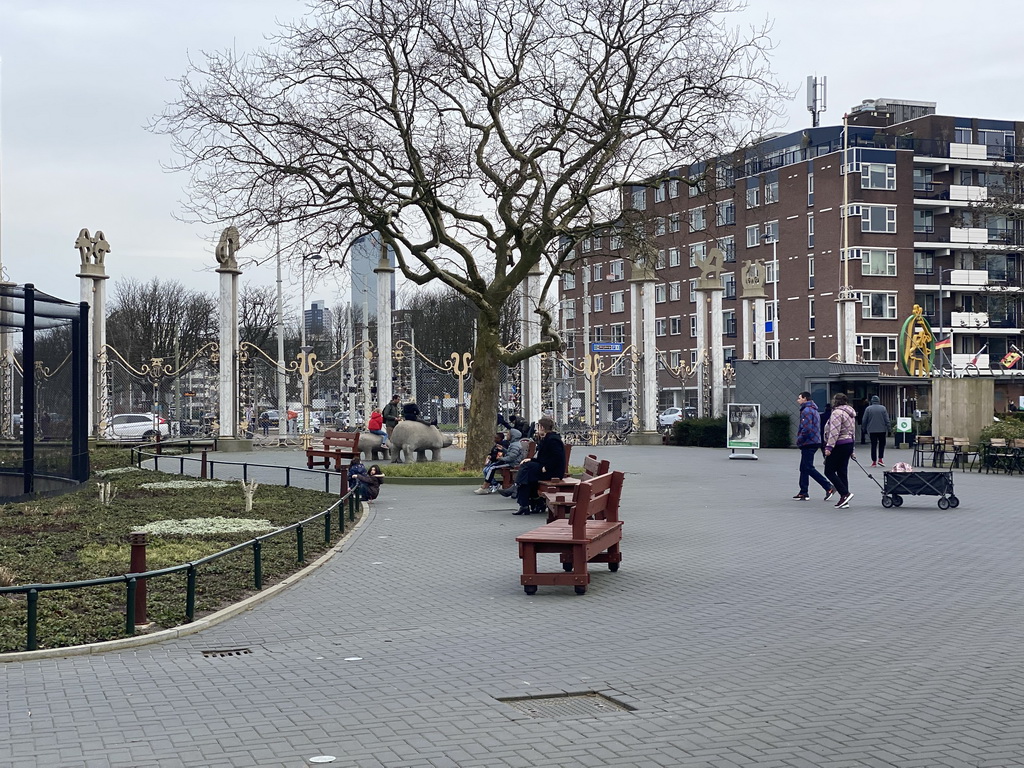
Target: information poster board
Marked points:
744	424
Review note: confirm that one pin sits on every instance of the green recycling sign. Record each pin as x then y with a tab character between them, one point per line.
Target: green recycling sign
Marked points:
904	424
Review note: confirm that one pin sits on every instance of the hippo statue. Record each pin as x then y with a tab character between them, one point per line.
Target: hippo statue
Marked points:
369	446
417	437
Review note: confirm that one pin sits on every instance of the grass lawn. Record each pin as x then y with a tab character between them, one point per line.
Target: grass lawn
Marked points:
76	537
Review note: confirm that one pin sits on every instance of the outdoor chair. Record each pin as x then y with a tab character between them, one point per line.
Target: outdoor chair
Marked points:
924	446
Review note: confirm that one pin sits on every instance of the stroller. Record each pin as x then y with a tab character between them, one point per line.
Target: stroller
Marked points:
900	484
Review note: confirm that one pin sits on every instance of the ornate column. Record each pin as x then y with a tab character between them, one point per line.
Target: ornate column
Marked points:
531	335
753	293
643	280
92	276
228	319
384	272
710	282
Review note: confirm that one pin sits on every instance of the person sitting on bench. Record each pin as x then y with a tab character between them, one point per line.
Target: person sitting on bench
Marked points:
411	412
548	462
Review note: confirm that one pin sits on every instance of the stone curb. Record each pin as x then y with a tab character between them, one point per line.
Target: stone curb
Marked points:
196	626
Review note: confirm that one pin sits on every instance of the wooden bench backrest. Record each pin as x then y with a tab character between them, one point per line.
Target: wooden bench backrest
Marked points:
592	466
597	498
925	440
341	440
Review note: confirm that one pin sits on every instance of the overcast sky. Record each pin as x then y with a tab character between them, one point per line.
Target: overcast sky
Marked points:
80	79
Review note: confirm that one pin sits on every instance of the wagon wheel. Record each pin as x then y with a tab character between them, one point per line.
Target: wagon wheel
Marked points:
567	566
887	501
613	567
943	502
530	589
897	501
954	502
581	589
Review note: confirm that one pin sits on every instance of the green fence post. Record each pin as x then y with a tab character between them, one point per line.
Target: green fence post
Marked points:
327	528
129	612
190	594
33	605
257	563
341	519
301	544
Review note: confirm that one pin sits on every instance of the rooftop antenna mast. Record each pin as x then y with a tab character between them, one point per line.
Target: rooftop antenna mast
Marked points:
815	97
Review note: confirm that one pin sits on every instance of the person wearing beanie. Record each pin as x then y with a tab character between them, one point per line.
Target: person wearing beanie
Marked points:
876	425
511	457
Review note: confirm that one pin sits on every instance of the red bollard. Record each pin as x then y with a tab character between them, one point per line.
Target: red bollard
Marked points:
138	565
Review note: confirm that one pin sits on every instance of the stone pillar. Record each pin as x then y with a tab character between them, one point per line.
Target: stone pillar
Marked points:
760	337
702	345
642	292
754	274
717	354
384	272
748	331
228	319
848	327
93	277
710	281
531	335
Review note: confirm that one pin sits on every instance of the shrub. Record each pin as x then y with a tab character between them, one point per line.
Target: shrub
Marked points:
707	432
775	430
1004	429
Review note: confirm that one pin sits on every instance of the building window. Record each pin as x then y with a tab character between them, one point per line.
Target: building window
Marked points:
810	273
729	325
729	284
697	220
924	221
659	193
675	358
878	218
878	176
810	314
660	293
618	332
615	242
771	192
810	189
693	326
675	291
597	334
723	176
753	197
569	281
923	263
673	257
570	339
879	349
616	270
693	357
598	303
640	198
673	188
697	251
619	367
660	327
878	306
753	236
923	180
725	213
693	291
586	245
569	310
810	230
661	262
675	326
673	222
618	302
598	271
597	242
878	262
963	136
659	226
771	232
771	272
696	186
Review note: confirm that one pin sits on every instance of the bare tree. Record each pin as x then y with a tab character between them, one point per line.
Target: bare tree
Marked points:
154	319
478	139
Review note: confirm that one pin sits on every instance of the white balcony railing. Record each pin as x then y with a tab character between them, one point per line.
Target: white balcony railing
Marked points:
968	151
969	319
976	235
969	193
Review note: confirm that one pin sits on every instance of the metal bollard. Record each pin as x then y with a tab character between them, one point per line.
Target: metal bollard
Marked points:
202	466
138	565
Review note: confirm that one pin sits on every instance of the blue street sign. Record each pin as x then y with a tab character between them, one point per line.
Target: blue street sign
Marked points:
606	346
769	326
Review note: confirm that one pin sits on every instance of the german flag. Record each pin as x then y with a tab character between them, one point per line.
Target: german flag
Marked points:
946	343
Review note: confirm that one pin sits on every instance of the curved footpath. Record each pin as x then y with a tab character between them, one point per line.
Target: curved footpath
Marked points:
744	628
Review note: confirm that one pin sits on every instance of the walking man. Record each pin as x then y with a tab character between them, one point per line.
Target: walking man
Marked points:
808	440
876	424
391	413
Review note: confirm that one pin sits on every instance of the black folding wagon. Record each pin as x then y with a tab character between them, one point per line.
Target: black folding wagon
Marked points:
900	484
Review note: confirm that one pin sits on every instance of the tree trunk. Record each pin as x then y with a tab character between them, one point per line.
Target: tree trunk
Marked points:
483	410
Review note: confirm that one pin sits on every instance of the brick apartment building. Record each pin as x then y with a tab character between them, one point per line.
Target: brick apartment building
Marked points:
917	184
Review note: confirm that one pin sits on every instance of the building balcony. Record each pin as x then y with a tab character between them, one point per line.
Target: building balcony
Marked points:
969	319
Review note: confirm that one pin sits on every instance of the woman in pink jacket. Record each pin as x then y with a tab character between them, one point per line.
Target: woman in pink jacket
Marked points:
840	435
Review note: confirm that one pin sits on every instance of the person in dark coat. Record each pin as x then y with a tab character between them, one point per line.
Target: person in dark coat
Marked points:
548	462
876	423
808	440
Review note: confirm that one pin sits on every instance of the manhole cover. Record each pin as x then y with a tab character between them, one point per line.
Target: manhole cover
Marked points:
227	652
567	705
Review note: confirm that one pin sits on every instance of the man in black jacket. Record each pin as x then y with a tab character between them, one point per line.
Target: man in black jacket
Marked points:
548	462
392	413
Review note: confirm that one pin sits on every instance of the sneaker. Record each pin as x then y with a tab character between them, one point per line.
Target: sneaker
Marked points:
829	494
801	497
874	463
881	463
480	491
844	501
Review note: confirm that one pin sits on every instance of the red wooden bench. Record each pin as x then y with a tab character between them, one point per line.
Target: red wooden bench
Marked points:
560	494
592	534
508	473
337	447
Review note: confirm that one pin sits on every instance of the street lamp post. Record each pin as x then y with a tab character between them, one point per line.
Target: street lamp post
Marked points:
314	257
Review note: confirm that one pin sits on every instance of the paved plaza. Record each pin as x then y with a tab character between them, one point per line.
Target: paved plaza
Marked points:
744	629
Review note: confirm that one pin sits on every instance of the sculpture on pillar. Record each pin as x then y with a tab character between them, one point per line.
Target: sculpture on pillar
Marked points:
226	249
93	250
710	266
754	273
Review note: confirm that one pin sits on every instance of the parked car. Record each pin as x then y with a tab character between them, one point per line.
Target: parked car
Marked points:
670	416
136	426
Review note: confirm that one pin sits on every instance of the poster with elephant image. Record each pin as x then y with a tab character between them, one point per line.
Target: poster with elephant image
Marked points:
744	422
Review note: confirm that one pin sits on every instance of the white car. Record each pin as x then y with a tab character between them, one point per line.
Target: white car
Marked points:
670	416
136	426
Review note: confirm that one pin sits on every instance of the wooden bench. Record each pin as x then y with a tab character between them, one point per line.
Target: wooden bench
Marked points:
592	534
560	494
337	447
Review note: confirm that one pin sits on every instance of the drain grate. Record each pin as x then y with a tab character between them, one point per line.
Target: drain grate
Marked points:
227	652
586	704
